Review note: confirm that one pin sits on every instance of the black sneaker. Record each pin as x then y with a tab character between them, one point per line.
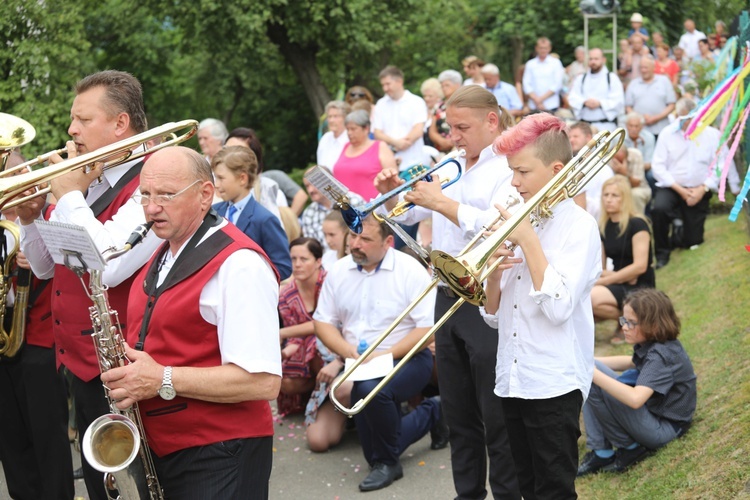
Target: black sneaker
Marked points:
625	458
593	463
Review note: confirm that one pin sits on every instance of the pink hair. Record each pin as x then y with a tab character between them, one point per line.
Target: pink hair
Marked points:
541	130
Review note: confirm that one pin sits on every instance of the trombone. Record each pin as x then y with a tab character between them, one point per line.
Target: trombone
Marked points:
463	273
112	156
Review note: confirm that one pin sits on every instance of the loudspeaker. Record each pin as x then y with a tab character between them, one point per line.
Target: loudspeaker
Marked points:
599	6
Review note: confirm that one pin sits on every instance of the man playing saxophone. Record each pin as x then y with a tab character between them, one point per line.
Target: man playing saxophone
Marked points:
34	446
202	376
108	107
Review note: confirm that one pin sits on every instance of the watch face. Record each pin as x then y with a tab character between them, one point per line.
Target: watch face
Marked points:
167	392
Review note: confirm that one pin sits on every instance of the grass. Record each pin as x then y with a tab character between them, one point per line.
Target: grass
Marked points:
710	288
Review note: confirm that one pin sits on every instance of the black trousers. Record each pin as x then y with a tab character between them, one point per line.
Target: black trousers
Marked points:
34	445
90	404
466	353
544	438
668	205
237	469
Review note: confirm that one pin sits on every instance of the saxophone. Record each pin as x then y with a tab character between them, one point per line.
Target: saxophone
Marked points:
11	341
112	442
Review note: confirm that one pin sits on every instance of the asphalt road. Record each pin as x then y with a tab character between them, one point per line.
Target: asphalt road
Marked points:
301	475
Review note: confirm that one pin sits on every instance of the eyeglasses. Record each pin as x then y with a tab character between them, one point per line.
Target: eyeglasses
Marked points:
161	200
631	324
357	95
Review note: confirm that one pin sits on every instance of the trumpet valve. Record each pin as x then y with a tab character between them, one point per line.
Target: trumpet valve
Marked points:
460	277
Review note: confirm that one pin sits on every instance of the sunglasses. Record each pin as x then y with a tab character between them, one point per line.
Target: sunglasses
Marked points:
357	95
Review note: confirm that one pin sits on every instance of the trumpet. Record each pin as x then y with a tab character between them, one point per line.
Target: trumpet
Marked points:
353	216
111	156
14	133
463	273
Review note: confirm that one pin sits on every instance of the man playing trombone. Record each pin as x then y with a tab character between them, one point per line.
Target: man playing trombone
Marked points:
465	345
108	108
364	293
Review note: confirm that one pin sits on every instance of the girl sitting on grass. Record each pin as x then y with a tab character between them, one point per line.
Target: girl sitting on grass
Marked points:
650	404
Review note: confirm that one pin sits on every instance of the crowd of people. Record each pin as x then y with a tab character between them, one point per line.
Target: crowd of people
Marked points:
243	292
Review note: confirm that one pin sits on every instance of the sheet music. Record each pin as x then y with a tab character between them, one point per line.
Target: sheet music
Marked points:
70	244
375	368
327	185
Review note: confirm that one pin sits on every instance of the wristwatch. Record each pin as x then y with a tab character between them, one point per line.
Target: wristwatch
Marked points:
166	391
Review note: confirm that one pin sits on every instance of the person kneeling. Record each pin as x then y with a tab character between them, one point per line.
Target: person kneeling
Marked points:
652	402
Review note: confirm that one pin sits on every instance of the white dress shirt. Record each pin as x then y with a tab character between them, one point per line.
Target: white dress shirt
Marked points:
546	337
542	76
679	160
487	182
227	302
330	148
689	43
365	304
397	118
608	92
73	208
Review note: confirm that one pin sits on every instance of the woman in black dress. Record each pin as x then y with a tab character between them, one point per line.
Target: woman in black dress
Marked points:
627	240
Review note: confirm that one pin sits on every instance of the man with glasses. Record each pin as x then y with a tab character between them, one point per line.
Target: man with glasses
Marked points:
194	356
108	108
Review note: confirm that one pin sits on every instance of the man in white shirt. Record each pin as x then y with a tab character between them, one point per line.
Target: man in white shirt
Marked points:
465	346
541	305
362	295
212	134
684	183
108	108
543	78
580	134
596	96
399	118
689	40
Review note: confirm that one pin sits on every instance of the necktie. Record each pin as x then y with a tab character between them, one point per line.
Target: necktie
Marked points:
231	212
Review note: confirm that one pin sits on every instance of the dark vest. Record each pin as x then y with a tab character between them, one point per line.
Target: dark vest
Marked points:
70	305
177	335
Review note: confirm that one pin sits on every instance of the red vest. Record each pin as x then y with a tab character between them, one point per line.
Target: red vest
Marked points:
179	336
39	317
70	307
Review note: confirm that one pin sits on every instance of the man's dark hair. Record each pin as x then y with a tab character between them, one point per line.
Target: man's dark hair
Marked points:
123	94
391	71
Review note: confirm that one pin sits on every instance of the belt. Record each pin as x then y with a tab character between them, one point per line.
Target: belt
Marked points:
447	291
599	121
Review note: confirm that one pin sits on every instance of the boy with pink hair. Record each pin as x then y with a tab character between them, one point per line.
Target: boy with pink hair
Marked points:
540	302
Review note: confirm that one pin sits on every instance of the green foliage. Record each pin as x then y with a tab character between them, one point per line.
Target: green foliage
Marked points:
43	54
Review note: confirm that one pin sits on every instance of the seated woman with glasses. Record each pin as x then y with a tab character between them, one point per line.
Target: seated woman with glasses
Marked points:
652	402
626	239
235	169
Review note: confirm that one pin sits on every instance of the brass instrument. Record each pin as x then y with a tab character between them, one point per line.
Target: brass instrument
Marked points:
14	133
353	216
112	156
112	442
464	274
11	342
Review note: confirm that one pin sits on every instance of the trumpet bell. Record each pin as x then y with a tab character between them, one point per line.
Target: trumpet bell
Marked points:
14	131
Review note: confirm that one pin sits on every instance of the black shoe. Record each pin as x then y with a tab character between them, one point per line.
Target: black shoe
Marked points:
440	433
661	263
382	475
78	473
625	458
593	463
